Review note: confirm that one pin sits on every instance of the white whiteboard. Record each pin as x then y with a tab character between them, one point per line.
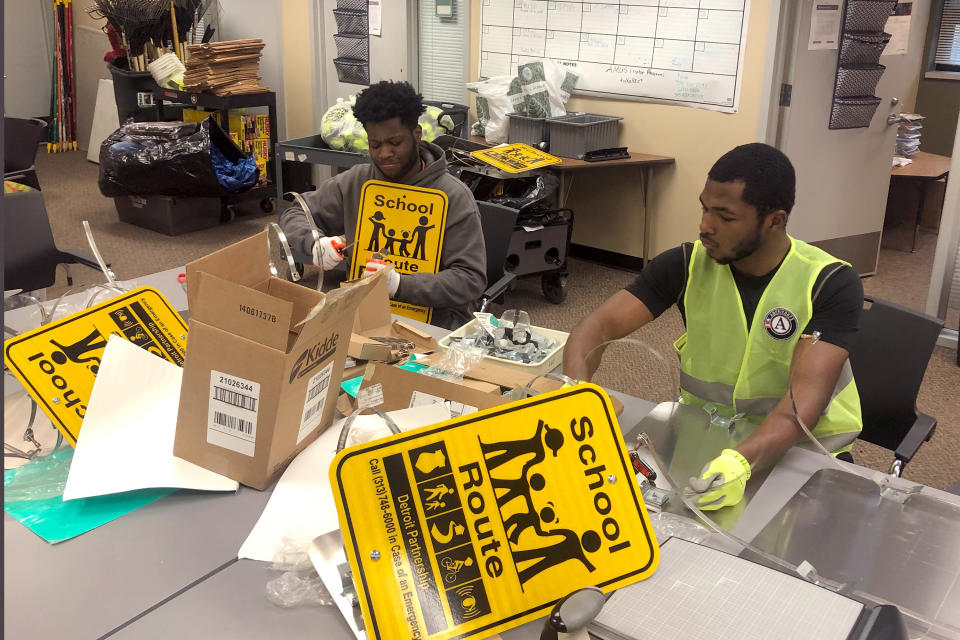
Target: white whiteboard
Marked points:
687	52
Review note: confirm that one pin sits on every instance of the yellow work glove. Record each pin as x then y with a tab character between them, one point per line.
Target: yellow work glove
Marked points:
722	481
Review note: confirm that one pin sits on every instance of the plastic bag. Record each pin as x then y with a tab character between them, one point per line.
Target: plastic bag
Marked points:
457	359
165	158
295	589
341	130
299	585
546	88
497	96
39	479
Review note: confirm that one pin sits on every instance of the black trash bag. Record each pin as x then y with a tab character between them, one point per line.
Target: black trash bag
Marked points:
523	193
164	159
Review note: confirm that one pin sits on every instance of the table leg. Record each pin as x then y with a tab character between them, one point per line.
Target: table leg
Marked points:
922	185
644	187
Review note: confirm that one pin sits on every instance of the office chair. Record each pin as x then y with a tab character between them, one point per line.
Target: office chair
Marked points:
21	139
891	355
30	257
496	222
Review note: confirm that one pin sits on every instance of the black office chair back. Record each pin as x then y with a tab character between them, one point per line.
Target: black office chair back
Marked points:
21	139
890	357
497	223
30	256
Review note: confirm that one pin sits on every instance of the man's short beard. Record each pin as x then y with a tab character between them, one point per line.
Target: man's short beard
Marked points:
746	247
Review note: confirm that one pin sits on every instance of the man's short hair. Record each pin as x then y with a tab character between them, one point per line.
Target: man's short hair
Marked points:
769	179
386	100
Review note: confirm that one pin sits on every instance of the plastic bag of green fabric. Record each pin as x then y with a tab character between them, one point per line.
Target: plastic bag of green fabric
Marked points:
496	97
546	87
340	129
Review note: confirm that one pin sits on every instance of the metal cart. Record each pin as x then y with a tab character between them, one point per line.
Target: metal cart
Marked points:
223	104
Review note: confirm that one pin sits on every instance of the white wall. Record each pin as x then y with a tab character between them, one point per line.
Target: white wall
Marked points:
27	58
239	19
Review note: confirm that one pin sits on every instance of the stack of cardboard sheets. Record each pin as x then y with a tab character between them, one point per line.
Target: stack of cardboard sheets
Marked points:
225	68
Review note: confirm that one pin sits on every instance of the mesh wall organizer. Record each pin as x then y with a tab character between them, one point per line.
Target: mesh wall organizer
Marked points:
858	70
353	42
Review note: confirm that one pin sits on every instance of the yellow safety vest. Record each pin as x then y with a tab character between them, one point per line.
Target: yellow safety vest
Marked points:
735	372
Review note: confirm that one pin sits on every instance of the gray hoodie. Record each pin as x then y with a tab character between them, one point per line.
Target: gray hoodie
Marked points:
463	263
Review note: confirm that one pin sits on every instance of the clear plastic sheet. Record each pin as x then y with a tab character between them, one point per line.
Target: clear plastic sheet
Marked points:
298	585
456	361
40	479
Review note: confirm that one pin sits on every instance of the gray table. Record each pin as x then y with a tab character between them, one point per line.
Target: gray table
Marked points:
170	568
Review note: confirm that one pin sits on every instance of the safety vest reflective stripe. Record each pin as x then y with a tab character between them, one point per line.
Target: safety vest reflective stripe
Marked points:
709	391
721	393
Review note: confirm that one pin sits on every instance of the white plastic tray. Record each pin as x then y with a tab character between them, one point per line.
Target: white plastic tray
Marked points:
553	359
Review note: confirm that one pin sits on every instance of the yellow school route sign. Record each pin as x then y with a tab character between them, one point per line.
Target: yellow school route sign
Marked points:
515	158
406	224
57	363
479	524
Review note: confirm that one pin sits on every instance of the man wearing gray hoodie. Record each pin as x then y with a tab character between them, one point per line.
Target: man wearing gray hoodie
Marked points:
389	112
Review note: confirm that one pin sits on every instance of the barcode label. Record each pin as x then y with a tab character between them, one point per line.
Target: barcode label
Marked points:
316	400
234	398
233	422
232	414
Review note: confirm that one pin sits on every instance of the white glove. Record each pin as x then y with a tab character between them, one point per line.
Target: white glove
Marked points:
325	254
393	278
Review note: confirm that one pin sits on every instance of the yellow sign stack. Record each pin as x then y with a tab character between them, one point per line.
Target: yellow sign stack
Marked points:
58	363
405	224
482	523
515	158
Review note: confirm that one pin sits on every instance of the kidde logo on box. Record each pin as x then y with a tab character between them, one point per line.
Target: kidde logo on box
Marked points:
313	357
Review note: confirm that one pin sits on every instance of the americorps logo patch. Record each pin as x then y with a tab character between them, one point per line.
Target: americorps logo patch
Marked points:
780	323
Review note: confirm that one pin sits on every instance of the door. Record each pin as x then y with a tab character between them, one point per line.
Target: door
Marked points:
842	175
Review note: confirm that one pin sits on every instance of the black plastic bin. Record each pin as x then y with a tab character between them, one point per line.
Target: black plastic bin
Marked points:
169	214
21	139
126	85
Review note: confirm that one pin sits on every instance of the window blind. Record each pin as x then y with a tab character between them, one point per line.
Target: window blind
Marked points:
444	51
948	39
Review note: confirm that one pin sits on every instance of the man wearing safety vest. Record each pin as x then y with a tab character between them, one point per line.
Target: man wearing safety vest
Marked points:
751	296
389	113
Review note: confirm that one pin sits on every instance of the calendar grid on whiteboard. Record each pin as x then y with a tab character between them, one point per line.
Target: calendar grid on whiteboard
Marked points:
687	52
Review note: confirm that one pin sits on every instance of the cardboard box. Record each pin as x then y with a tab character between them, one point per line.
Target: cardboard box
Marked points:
402	389
258	386
508	377
373	319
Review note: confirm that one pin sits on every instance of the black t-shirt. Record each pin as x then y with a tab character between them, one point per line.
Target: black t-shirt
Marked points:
837	293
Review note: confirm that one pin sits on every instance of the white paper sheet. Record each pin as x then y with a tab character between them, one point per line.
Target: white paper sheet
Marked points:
374	17
302	506
126	440
825	25
898	26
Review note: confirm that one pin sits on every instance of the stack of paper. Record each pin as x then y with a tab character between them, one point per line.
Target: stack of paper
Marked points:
225	68
908	135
